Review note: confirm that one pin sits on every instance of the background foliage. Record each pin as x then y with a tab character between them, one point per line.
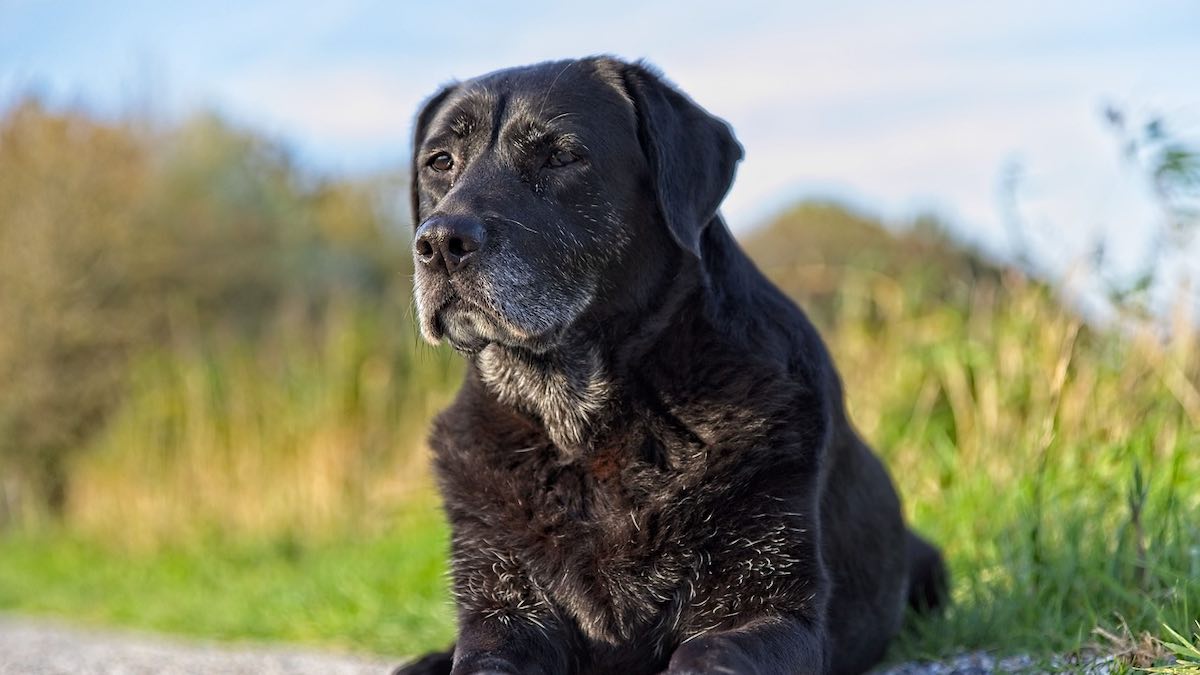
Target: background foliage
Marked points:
212	402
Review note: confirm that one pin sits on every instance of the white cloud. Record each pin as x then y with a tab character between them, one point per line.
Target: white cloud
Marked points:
902	105
338	104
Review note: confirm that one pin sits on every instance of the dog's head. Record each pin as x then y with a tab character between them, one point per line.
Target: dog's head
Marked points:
542	192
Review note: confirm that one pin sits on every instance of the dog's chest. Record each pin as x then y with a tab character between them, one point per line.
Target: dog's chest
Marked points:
641	539
597	537
628	565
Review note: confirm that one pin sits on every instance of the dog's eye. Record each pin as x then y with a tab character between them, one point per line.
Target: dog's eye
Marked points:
560	158
441	162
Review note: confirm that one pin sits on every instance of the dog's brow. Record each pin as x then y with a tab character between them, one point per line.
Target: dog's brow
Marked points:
549	129
462	125
562	134
559	116
537	134
546	96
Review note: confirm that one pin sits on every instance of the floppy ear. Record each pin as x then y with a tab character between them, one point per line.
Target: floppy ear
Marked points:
692	154
424	117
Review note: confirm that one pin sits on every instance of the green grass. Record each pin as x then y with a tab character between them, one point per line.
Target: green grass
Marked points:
381	593
233	450
1186	650
386	592
276	494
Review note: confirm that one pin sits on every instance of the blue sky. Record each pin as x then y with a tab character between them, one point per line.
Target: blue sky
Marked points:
897	107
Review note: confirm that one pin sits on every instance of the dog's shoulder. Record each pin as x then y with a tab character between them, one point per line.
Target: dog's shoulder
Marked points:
477	428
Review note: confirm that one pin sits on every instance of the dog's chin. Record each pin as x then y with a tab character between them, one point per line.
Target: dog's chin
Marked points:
465	331
470	330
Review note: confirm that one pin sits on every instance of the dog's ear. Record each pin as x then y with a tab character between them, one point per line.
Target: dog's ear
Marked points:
692	154
428	110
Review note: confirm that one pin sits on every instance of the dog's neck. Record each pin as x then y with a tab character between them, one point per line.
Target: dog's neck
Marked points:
572	389
568	390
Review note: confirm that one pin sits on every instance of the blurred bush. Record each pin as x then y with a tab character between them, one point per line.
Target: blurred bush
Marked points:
812	249
121	239
203	348
306	431
199	340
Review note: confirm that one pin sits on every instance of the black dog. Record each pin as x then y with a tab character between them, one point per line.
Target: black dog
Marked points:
649	466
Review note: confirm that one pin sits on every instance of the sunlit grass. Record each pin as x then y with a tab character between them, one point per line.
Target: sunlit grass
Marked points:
1058	467
213	400
290	437
383	593
1185	649
268	493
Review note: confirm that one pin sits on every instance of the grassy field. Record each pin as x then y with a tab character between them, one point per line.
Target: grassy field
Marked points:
384	593
1058	466
214	402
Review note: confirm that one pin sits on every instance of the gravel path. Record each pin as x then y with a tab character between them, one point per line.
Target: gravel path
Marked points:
31	647
982	663
36	647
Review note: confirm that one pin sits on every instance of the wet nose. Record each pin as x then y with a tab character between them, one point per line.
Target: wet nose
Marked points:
448	242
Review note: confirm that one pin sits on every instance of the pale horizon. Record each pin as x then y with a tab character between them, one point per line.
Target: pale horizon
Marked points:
923	108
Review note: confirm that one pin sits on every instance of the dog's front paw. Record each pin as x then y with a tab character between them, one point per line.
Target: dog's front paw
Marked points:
712	656
437	663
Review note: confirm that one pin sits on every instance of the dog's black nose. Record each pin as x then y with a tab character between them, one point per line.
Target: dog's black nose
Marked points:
448	242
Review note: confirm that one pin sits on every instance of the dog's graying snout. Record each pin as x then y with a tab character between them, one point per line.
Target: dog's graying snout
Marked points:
448	242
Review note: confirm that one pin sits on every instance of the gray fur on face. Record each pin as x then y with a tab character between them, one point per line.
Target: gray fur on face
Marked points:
551	234
567	392
506	300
